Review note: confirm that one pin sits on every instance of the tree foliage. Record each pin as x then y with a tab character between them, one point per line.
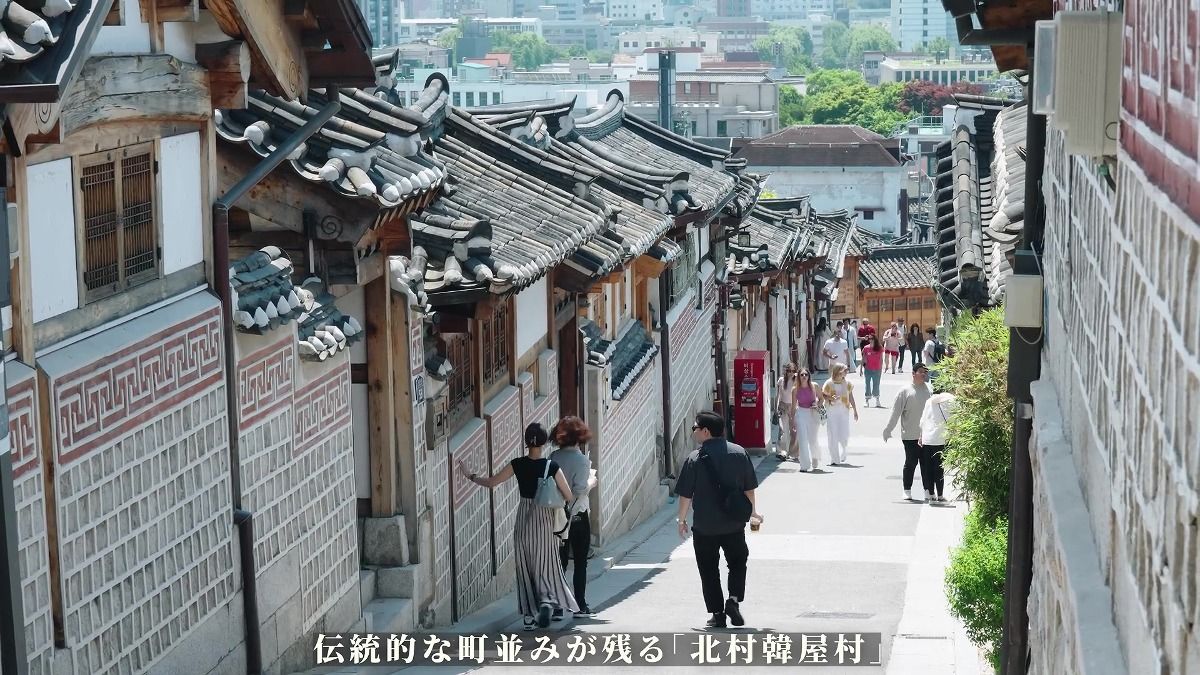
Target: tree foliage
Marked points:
529	50
868	38
835	45
975	582
795	44
979	433
920	97
844	97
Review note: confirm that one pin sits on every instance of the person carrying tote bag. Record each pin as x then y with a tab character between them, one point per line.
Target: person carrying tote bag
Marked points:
541	585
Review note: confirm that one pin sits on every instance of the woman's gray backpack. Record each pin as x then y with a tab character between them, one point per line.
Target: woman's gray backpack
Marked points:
547	494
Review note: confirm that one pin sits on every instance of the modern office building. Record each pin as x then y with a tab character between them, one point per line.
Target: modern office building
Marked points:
916	23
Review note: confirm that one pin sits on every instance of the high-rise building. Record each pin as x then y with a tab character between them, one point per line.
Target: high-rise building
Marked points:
916	23
383	19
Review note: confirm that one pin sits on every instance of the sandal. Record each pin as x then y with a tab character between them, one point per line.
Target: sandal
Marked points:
529	624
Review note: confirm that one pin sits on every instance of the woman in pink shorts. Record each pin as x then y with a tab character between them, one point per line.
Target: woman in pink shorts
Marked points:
891	347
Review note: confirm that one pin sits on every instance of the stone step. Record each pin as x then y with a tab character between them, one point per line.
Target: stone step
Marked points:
397	582
390	615
368	586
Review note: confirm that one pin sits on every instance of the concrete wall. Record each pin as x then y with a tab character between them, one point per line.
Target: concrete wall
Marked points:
833	188
1123	339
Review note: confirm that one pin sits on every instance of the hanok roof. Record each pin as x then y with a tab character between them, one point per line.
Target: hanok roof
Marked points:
43	43
822	145
890	267
979	207
630	354
1002	16
776	239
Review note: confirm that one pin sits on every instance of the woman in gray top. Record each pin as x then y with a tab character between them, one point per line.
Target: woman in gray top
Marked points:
570	435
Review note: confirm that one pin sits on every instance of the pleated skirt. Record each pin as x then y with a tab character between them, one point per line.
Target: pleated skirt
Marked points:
540	578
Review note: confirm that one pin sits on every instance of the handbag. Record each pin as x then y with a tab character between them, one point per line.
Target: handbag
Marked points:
733	502
561	525
547	494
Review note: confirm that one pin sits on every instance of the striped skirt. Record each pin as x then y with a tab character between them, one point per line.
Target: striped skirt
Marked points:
540	577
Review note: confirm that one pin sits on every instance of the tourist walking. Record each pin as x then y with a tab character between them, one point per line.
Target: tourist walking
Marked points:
570	435
902	333
929	353
785	442
907	411
837	350
873	363
916	344
805	420
865	331
712	482
891	347
852	343
541	585
934	421
838	395
823	334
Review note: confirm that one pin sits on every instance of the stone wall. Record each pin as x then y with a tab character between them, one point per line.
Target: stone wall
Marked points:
691	369
138	424
24	434
1123	320
470	515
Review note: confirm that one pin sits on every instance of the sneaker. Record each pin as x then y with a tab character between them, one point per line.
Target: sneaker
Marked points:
908	495
543	616
929	496
529	624
734	612
584	611
557	615
716	621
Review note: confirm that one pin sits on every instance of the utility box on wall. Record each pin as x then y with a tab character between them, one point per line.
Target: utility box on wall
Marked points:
437	417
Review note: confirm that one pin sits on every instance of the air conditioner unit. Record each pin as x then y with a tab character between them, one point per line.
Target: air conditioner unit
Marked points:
1077	78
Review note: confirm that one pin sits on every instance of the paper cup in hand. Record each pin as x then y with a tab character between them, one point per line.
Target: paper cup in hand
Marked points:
755	523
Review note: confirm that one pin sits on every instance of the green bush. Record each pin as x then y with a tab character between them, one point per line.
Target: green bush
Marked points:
979	432
975	582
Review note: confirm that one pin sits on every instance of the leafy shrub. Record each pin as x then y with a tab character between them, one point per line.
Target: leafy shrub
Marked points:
979	432
975	582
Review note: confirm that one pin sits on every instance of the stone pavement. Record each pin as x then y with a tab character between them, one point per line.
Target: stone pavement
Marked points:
840	551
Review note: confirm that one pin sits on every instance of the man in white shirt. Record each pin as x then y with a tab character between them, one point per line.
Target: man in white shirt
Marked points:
837	350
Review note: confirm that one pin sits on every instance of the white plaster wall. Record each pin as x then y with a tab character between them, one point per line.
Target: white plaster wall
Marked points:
360	420
834	188
131	38
531	310
53	268
182	204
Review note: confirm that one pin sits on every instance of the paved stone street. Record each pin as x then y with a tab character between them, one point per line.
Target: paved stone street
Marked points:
840	551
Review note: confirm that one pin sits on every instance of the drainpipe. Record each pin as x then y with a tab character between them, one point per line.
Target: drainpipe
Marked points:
244	520
665	355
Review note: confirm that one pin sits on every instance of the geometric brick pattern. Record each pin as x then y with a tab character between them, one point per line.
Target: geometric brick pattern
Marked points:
627	450
32	546
503	419
438	474
1120	281
691	367
472	522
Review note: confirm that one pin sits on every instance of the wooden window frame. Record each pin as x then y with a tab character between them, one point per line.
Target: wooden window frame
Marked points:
873	305
496	346
124	281
460	385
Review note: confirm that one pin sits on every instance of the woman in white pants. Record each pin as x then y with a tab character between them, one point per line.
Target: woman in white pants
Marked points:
839	401
805	398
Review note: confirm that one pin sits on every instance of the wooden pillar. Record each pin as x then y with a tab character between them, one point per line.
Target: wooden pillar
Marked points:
385	497
22	293
399	318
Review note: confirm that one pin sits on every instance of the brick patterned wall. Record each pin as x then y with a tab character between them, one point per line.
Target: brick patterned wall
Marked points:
472	519
627	452
143	491
504	439
692	369
416	366
438	470
324	479
33	553
1123	311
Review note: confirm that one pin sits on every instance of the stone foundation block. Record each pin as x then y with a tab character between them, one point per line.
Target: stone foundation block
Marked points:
385	542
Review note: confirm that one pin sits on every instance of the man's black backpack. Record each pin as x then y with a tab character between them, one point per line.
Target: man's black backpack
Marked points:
732	501
939	351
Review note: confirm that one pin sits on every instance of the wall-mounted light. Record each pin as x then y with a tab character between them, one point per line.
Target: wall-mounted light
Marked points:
743	239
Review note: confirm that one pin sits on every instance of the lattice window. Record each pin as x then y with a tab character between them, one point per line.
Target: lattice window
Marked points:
914	303
456	347
119	242
930	303
872	305
885	305
494	333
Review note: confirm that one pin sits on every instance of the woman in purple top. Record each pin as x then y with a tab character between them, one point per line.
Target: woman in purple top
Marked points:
806	420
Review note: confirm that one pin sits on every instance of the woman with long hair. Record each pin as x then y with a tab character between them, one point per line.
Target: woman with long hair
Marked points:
873	361
934	420
783	412
916	344
541	585
891	347
570	435
805	399
839	402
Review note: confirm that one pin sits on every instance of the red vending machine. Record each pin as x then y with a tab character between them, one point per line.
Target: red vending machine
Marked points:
751	400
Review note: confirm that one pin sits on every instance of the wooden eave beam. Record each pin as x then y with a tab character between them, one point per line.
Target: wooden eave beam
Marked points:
127	88
177	10
228	66
279	65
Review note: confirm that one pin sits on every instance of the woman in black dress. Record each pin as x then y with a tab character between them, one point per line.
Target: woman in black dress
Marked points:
541	585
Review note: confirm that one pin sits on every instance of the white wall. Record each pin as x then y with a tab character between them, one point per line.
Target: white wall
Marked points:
53	264
133	36
182	204
532	316
834	188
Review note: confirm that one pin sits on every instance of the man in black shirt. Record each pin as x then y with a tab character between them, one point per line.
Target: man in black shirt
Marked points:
714	530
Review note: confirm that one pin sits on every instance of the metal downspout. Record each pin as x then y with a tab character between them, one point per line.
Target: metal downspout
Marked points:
244	520
664	354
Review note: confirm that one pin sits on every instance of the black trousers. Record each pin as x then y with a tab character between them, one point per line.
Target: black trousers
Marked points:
912	459
576	547
933	477
708	561
902	350
916	356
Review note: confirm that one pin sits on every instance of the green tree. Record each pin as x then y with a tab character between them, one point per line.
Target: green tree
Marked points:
528	50
795	45
791	107
599	56
939	45
843	97
835	45
975	582
868	38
